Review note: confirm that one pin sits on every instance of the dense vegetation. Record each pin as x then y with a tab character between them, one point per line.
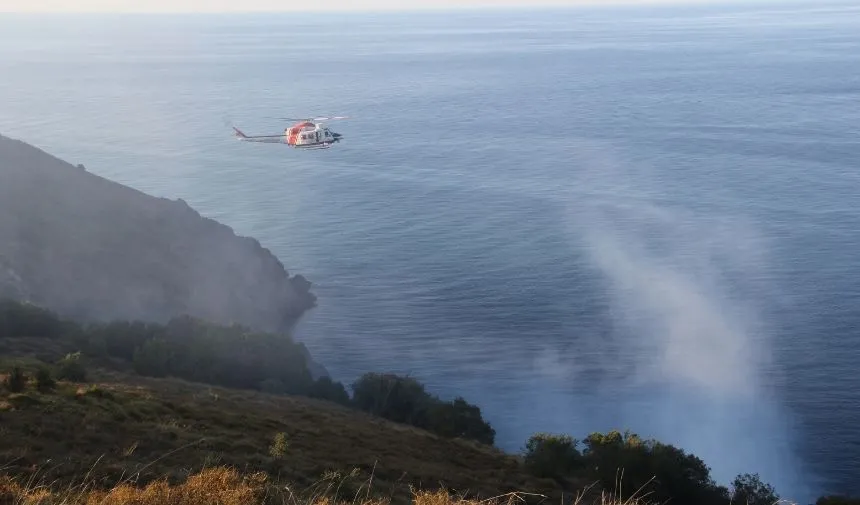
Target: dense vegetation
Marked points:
404	400
232	356
238	359
665	472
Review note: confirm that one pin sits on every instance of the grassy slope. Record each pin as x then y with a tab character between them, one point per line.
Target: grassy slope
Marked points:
163	427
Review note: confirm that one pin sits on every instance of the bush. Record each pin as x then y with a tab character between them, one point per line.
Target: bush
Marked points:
460	419
404	400
16	381
398	399
279	446
750	490
70	368
326	389
44	381
549	455
661	470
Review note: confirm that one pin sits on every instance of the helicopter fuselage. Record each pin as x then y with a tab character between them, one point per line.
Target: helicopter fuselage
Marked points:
308	134
304	134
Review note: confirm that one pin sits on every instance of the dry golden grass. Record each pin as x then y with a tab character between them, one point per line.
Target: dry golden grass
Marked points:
226	486
221	486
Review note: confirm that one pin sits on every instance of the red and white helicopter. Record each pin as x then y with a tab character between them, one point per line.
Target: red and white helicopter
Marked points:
305	133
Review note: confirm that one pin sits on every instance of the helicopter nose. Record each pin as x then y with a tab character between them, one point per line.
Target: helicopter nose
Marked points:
337	136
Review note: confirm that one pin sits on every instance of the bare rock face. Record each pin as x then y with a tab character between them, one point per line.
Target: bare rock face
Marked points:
90	248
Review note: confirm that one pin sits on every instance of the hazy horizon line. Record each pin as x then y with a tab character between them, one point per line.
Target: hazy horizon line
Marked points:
437	8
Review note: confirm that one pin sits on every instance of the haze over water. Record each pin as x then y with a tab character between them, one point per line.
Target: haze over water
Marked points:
580	220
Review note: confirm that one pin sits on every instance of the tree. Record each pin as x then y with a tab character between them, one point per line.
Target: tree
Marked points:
748	489
404	400
550	455
399	399
71	369
153	358
16	381
44	381
460	419
121	339
326	389
664	471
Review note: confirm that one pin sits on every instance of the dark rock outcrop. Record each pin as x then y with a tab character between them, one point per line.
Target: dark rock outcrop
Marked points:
90	248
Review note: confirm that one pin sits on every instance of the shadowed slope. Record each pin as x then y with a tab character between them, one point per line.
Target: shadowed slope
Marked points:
87	247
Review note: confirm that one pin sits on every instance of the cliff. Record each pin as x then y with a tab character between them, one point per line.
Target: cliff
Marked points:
89	248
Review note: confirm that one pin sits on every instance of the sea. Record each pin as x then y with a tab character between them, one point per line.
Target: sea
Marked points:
579	219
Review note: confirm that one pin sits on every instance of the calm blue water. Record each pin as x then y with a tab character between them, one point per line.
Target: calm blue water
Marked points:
580	220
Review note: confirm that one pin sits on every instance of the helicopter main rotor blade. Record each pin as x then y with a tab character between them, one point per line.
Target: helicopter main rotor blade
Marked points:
321	118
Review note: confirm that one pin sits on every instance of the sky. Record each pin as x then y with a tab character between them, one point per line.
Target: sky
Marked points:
288	5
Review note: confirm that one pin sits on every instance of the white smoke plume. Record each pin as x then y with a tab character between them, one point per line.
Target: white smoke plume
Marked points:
686	289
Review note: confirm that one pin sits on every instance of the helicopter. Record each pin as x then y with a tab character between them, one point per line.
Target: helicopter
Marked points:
304	133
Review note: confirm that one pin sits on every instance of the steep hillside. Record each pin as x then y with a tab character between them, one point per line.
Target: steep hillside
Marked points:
123	426
142	401
90	248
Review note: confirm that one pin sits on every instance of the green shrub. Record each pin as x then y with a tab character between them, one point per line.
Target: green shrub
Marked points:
664	472
549	455
748	489
398	399
70	368
16	381
44	381
404	400
326	389
460	419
